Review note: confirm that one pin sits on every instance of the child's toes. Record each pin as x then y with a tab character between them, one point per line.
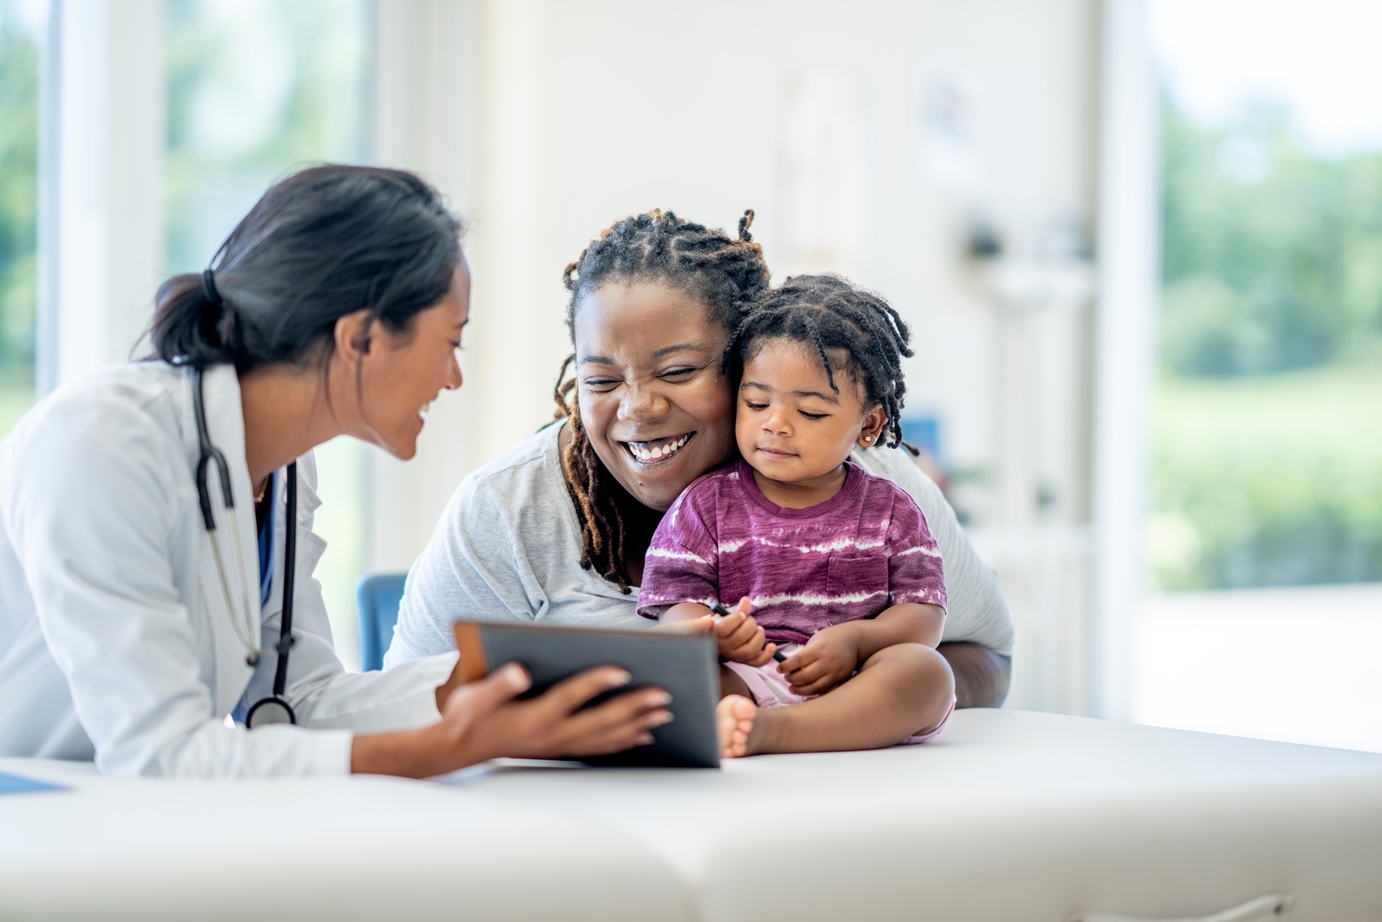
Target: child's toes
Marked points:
734	721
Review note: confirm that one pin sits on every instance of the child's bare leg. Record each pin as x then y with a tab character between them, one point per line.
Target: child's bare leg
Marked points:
900	690
732	684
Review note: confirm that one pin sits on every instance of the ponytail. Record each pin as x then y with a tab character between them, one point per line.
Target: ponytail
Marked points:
190	328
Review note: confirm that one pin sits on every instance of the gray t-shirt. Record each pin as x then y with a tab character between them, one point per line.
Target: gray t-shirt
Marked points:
509	546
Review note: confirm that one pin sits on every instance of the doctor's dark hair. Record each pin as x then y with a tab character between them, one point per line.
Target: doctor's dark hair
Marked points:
724	273
322	243
827	314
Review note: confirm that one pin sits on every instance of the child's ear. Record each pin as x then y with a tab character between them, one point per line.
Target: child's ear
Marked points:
874	421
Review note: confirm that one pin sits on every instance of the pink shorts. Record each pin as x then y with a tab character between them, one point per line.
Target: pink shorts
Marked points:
770	689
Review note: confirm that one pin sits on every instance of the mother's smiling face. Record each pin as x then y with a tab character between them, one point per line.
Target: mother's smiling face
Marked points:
657	410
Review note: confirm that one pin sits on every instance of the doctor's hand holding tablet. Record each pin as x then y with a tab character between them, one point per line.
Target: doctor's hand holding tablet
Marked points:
481	720
156	542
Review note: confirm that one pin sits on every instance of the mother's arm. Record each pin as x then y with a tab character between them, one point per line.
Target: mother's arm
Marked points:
981	675
471	568
978	638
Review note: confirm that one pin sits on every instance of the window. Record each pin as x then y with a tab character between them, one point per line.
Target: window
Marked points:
21	31
1268	448
256	89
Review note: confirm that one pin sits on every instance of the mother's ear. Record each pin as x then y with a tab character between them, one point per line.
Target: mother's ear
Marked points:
352	335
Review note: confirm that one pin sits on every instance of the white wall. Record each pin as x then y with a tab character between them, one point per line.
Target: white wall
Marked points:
426	97
594	110
546	120
599	109
589	111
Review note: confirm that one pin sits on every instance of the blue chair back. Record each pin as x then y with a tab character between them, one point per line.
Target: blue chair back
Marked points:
378	595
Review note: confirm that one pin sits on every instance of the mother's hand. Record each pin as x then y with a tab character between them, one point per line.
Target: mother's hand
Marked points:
482	720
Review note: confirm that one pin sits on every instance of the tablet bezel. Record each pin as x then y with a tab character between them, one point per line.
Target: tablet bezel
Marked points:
689	740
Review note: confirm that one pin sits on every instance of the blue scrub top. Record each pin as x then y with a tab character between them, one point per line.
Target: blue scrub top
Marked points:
266	545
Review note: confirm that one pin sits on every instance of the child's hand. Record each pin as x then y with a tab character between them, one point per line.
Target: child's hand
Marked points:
741	639
828	659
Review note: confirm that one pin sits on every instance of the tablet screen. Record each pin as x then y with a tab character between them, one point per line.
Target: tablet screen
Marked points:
685	665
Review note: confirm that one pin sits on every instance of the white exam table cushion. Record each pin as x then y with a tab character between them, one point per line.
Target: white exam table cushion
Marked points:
1009	816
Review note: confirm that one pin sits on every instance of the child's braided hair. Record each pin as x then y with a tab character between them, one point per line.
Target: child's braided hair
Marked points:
724	273
826	312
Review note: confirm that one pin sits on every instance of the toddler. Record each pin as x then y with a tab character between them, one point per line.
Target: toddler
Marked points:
840	587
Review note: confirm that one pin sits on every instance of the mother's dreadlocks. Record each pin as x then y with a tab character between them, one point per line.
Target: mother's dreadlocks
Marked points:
723	273
828	314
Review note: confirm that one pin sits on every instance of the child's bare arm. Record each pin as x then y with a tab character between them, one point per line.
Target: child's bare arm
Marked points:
834	653
908	622
740	638
685	611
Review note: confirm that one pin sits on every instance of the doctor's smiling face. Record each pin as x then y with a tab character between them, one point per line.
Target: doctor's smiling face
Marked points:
399	374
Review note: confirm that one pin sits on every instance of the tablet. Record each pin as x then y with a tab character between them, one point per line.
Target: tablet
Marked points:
684	664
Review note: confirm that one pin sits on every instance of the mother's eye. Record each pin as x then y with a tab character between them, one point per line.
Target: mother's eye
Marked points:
675	373
599	384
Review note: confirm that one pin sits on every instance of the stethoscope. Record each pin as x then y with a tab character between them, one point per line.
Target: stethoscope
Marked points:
273	709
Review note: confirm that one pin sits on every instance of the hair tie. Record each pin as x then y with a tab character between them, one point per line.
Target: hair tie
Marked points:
209	287
744	224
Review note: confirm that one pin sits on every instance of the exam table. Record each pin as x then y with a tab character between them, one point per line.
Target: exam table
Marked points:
1008	816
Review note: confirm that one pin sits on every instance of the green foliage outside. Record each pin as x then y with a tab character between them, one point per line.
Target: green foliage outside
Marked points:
19	69
1266	482
1272	256
255	90
1268	427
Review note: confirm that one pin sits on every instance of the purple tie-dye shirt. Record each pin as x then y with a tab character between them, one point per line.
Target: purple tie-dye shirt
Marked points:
850	557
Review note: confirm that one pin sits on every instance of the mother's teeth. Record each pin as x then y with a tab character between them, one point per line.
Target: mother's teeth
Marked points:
657	452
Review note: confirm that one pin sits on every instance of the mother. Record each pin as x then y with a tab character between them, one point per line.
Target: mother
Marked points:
131	628
653	301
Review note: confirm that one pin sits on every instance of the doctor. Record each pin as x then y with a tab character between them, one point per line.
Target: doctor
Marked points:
156	543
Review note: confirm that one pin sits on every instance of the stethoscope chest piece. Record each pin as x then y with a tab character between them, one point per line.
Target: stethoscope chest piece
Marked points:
270	711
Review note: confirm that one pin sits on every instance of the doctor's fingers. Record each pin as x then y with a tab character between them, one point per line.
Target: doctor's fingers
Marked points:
484	696
570	695
536	729
623	722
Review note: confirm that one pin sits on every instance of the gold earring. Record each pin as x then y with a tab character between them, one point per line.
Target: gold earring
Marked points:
868	438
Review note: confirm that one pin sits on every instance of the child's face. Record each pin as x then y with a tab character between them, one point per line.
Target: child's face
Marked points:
790	426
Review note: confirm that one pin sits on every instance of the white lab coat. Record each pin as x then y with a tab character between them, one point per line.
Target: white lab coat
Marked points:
115	640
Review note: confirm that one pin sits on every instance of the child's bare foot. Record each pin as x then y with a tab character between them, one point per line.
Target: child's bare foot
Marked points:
734	721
